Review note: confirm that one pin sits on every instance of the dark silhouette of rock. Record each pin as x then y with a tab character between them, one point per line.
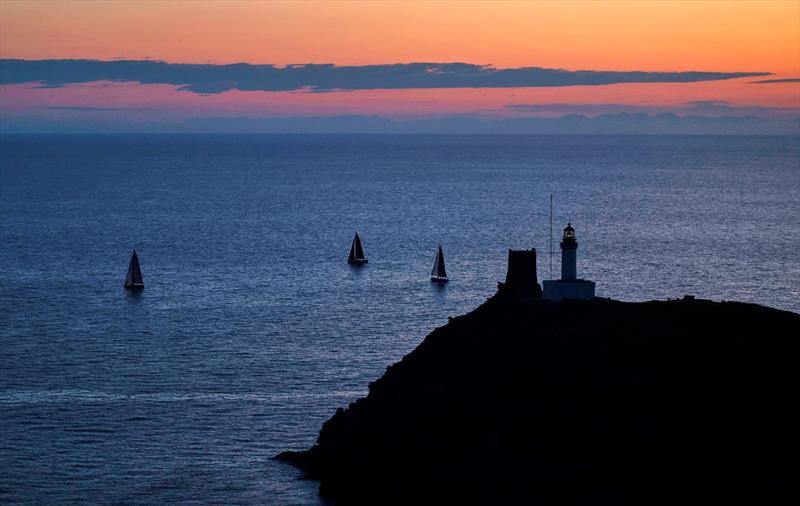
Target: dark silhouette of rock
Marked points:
576	402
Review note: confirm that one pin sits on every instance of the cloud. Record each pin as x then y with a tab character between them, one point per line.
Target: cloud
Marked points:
721	107
694	107
211	78
588	109
775	81
92	109
707	103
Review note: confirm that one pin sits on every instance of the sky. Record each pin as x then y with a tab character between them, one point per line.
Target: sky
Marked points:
329	66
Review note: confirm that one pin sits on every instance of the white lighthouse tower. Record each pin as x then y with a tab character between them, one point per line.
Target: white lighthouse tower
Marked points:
569	254
569	286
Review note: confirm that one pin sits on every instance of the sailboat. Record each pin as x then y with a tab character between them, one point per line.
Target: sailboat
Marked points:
438	274
356	252
133	280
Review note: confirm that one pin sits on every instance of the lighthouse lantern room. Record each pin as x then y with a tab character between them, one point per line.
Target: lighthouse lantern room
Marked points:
569	286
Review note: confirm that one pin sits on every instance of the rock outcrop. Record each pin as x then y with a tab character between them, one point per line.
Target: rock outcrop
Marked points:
578	402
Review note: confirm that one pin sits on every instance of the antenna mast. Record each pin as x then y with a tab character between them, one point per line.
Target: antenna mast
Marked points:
551	236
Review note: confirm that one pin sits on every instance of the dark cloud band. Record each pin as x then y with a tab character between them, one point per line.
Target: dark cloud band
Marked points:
210	78
776	81
77	108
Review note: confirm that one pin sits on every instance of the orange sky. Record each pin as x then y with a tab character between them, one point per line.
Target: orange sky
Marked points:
627	35
722	36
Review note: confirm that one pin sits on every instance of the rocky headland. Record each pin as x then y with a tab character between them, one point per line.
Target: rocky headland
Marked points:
576	402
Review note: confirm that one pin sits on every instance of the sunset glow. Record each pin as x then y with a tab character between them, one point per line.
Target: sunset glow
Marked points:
674	36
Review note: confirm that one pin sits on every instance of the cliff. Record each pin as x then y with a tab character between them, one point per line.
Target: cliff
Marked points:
578	402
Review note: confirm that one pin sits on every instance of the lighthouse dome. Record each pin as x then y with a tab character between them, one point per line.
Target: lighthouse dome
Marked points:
569	232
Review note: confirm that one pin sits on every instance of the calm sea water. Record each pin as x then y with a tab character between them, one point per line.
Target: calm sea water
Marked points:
253	329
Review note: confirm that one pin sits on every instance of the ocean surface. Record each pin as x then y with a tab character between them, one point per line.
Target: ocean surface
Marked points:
253	329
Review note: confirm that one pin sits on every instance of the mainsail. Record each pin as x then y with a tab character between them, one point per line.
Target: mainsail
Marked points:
134	277
438	271
356	251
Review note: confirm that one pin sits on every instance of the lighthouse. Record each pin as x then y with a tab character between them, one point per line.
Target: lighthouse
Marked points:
569	254
569	286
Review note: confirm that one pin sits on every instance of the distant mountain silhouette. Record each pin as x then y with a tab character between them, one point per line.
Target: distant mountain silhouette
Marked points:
571	124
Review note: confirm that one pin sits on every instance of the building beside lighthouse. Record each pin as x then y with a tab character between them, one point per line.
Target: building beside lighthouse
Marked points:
569	286
521	279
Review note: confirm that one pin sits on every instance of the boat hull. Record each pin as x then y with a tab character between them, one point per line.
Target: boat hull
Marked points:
437	279
357	261
134	286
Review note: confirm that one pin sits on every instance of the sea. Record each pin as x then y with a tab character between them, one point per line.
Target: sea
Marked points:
253	329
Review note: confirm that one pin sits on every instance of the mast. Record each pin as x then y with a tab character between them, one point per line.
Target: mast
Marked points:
359	249
551	236
440	263
438	273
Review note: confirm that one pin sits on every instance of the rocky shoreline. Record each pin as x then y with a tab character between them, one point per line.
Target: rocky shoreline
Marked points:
577	402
